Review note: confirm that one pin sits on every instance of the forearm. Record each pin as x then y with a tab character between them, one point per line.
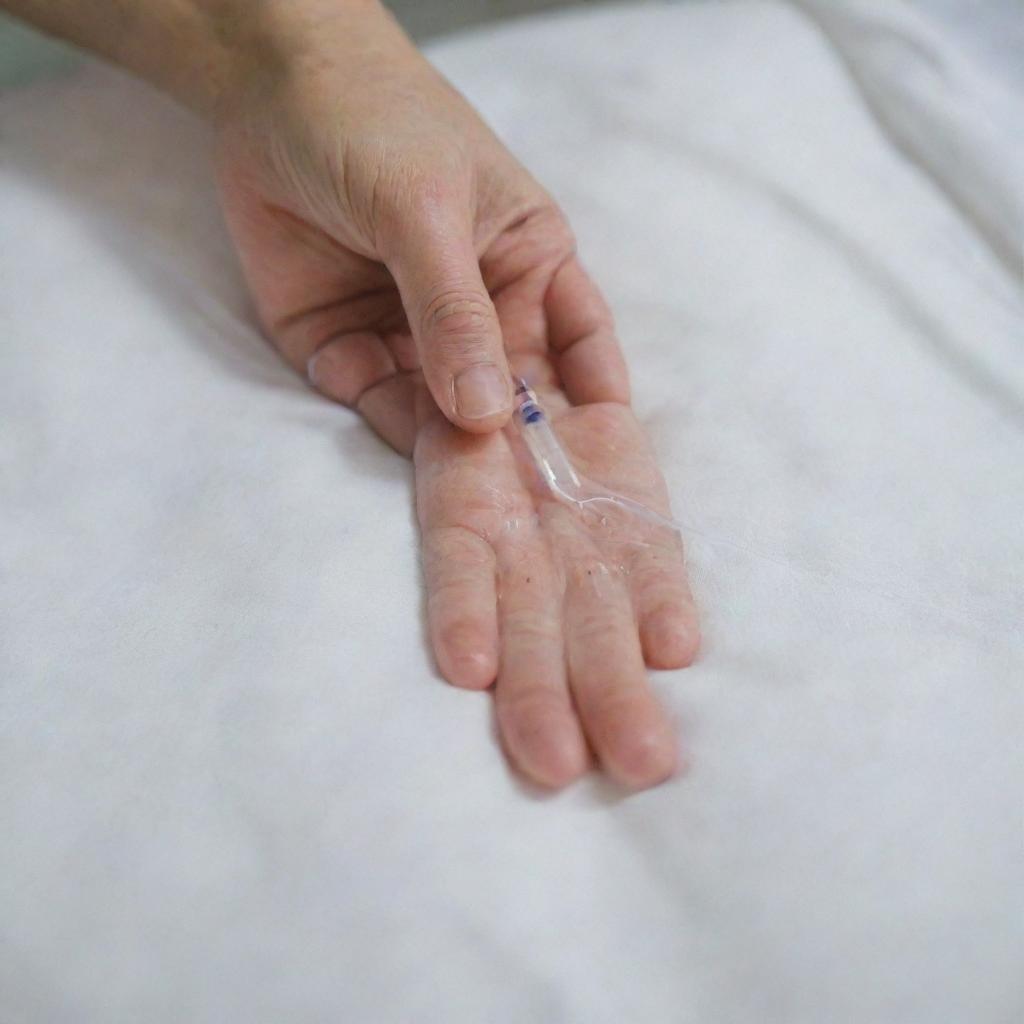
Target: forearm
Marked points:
197	50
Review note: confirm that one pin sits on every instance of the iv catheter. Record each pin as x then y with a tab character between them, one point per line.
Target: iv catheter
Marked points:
556	469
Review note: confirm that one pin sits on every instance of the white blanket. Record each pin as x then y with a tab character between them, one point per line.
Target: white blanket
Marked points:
232	788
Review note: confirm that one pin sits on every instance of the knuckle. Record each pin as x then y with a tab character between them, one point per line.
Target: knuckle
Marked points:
540	237
346	368
559	230
667	607
589	572
448	592
415	191
456	544
532	626
534	703
661	590
462	634
458	315
613	704
453	556
618	711
595	629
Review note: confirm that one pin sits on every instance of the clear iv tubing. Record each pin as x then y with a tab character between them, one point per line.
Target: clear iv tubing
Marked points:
556	468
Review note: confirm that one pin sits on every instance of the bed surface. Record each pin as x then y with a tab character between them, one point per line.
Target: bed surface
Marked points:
232	787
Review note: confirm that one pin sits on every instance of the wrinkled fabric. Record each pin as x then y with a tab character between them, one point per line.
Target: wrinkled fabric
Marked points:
232	786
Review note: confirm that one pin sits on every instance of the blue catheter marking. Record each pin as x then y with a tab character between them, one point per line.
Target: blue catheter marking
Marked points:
529	411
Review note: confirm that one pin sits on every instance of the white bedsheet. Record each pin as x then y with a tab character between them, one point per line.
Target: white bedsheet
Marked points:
232	788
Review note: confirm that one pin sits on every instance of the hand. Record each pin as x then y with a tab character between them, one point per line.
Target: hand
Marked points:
389	238
563	607
383	228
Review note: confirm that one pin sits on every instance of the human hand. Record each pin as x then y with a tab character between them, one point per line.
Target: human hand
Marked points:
561	605
383	228
387	233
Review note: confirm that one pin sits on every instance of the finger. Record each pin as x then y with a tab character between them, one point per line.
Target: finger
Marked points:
452	318
582	333
626	725
347	366
403	350
665	610
534	708
390	409
358	370
306	287
459	571
539	372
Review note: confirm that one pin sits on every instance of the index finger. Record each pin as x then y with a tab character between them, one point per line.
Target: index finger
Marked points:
581	332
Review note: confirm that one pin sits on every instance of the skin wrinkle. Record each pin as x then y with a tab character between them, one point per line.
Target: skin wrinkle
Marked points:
297	318
362	192
587	558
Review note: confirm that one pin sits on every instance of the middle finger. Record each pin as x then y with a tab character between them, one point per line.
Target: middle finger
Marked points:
534	707
627	726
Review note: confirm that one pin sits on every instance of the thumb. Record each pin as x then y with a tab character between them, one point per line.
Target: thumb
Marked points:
452	319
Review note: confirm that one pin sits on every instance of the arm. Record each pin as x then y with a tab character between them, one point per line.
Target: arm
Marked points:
188	48
198	50
404	260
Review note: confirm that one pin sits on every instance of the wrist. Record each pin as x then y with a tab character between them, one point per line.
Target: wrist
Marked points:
256	49
207	52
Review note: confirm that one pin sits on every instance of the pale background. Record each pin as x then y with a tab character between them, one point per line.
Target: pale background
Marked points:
225	766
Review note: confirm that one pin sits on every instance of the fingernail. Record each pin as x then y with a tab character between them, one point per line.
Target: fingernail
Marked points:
311	367
481	391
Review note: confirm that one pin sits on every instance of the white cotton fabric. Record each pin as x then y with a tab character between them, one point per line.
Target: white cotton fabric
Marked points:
232	788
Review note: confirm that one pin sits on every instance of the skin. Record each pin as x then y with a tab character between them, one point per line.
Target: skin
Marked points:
563	608
394	248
